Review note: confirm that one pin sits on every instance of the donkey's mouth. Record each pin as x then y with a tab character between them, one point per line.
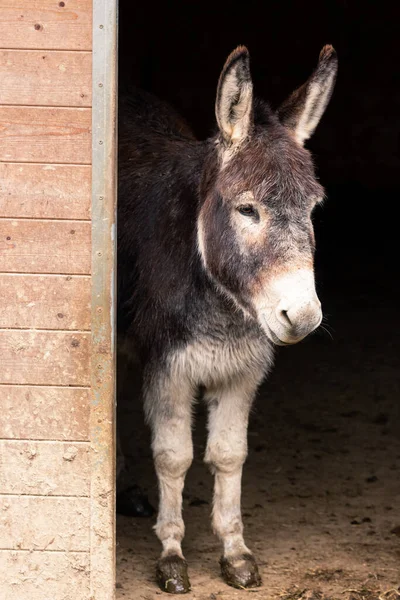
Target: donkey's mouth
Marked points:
273	337
277	340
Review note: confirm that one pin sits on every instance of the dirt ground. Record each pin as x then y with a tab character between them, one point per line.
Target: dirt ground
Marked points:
321	485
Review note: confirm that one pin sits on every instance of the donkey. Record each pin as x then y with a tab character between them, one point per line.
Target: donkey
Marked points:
215	250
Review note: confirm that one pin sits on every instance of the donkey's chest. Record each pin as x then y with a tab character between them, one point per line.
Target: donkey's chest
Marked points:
212	361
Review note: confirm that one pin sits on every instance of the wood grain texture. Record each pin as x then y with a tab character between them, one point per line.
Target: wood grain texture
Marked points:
44	413
42	78
44	301
39	575
44	523
44	468
38	78
45	246
46	24
45	191
41	134
44	357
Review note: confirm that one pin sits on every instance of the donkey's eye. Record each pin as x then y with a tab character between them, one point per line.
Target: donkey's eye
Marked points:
248	210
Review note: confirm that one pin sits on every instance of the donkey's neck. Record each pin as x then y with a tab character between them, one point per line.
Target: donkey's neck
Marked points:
161	171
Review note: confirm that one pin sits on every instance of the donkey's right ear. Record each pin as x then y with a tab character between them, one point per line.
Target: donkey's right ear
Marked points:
304	108
234	103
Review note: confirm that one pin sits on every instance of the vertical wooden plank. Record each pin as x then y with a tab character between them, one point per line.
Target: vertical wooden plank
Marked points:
102	421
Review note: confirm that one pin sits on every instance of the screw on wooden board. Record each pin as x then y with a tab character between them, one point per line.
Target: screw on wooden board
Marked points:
100	85
38	27
101	26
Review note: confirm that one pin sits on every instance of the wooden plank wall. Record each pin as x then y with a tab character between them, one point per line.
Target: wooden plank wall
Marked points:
45	263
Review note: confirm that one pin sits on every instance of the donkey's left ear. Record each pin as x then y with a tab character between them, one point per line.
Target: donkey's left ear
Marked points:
303	110
234	102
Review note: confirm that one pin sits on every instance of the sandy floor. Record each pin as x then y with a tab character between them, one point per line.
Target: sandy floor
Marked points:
321	487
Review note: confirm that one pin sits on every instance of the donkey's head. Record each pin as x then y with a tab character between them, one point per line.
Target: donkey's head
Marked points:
255	233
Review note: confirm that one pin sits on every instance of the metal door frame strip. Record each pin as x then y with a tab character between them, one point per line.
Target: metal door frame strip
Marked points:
103	372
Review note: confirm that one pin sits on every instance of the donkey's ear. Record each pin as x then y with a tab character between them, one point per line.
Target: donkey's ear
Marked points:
234	103
303	110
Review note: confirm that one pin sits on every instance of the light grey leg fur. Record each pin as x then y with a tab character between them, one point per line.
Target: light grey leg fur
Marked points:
168	407
226	452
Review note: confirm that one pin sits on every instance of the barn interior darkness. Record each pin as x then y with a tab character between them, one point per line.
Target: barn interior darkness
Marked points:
322	476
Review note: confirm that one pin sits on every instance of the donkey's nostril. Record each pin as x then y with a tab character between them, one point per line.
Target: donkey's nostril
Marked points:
285	317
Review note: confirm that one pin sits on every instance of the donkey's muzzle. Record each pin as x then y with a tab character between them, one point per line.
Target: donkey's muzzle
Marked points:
295	321
289	308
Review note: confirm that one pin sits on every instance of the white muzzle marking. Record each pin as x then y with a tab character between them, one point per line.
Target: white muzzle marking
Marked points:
289	308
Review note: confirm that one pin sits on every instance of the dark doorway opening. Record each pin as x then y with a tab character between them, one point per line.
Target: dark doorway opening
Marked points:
321	484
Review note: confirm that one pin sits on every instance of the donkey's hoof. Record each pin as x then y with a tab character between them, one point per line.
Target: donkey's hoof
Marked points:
172	575
240	571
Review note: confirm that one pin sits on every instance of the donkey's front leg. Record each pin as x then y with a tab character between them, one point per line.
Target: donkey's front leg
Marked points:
168	408
226	452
